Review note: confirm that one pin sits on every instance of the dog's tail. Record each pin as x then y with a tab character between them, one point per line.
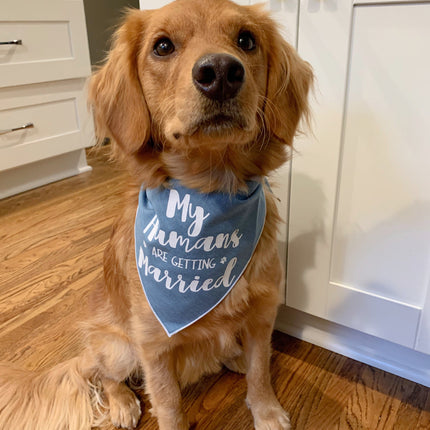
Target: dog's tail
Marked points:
61	398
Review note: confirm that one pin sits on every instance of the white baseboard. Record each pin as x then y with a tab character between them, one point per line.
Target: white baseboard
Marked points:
33	175
371	350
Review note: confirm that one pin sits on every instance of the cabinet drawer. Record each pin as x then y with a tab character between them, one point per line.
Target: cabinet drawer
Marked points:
60	122
53	43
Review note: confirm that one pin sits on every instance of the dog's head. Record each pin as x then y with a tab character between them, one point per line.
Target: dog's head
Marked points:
204	91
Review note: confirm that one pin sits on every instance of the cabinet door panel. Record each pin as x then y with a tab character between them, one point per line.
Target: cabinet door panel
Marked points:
381	240
364	259
323	40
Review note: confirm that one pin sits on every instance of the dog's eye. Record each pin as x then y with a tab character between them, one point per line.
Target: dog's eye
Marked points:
246	41
163	47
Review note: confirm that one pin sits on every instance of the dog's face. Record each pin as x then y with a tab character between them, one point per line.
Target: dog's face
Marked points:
204	72
200	88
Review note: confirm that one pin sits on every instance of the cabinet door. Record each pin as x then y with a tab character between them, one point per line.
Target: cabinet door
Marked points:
359	250
59	117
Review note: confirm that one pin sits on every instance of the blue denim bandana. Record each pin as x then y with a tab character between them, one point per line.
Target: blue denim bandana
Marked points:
192	248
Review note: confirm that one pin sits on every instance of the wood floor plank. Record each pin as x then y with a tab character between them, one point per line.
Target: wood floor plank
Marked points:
51	247
424	416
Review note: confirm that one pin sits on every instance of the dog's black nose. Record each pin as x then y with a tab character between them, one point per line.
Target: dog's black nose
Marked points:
218	76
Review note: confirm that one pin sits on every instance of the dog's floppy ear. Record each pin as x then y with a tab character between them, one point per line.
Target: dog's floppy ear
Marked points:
288	82
115	92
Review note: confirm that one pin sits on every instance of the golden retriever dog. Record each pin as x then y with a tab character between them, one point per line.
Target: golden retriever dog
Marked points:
205	93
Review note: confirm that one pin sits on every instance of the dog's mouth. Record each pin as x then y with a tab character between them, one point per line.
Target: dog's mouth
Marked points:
214	120
217	119
218	123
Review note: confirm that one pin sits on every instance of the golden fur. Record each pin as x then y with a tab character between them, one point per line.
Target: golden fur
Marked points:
161	127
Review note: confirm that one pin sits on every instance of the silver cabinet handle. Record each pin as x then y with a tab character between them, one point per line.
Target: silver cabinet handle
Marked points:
12	42
23	127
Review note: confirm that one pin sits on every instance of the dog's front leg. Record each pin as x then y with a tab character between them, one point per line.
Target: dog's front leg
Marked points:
267	412
164	392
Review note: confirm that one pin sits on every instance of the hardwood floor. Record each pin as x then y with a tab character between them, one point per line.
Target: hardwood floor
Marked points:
51	245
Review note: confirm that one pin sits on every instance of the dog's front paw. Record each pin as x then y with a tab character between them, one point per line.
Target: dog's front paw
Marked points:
125	410
271	417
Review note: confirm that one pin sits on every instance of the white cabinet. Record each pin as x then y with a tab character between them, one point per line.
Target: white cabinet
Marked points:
359	227
44	121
